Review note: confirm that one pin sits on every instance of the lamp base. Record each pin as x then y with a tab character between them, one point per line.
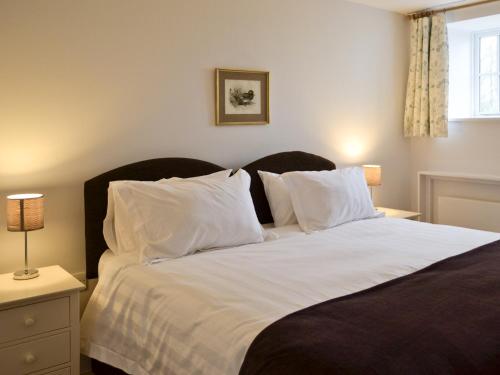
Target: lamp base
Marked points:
26	274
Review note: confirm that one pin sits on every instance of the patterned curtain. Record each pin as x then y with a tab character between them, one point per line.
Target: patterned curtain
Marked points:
426	111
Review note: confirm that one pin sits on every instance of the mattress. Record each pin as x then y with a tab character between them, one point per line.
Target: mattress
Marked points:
199	314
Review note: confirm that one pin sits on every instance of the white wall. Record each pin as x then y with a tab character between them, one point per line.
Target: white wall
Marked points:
90	85
472	145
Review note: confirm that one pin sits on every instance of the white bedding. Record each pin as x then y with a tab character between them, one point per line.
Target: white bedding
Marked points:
199	314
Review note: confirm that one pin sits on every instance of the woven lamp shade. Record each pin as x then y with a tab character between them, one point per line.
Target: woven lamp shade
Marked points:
24	212
373	174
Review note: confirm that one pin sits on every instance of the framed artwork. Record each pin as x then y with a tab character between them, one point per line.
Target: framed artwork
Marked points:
241	97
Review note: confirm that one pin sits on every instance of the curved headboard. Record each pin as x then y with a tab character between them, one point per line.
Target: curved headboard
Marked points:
96	189
280	163
96	195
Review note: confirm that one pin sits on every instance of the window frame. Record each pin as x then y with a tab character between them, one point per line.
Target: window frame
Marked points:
476	66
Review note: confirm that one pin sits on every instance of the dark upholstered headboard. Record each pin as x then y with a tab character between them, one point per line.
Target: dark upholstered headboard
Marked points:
96	189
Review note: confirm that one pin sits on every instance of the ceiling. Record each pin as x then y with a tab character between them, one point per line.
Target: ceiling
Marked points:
409	6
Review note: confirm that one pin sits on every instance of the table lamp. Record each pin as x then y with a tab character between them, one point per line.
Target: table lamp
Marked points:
24	214
373	175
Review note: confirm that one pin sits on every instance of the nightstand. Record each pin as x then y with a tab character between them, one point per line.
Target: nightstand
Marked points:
40	324
400	214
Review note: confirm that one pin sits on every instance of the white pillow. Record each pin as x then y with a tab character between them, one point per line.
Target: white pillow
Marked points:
279	199
219	176
329	198
173	220
109	220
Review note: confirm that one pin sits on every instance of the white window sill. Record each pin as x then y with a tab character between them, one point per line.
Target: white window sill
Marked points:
490	119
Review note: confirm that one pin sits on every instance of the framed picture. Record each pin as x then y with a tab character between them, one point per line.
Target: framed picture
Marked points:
241	97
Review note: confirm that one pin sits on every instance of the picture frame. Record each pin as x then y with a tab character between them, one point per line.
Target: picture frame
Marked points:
241	97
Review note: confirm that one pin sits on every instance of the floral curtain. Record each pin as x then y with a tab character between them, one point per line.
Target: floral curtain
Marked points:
426	111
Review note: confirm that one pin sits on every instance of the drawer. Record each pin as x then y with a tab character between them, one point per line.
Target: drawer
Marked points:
29	320
63	371
35	355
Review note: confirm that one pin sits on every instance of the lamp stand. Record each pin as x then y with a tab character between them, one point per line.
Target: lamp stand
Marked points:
27	273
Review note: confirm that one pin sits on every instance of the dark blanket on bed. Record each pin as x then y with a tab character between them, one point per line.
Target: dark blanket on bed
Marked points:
444	319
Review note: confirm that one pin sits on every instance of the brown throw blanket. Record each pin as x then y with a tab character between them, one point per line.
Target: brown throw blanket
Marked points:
444	319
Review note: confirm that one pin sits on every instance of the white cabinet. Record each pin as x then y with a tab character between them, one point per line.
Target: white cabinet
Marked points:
40	324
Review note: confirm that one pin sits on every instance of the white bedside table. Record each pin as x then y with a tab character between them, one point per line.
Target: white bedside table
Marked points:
40	324
400	214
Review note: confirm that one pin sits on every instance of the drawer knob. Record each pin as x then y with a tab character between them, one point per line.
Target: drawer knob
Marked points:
28	322
29	358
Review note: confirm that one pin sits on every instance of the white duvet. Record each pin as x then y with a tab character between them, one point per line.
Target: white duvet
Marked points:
199	314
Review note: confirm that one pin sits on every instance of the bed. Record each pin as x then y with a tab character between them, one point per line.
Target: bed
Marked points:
372	296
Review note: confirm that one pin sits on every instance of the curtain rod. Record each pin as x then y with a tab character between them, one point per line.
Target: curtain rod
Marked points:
430	12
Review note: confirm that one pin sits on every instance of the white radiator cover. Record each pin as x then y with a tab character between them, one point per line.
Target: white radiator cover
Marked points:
466	200
469	213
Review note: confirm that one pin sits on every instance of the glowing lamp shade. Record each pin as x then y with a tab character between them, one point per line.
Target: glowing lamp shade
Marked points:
24	214
373	175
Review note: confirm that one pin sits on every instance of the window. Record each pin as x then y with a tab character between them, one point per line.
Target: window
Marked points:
487	73
474	67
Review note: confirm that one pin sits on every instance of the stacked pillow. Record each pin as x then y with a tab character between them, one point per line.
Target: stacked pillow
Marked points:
318	199
177	217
